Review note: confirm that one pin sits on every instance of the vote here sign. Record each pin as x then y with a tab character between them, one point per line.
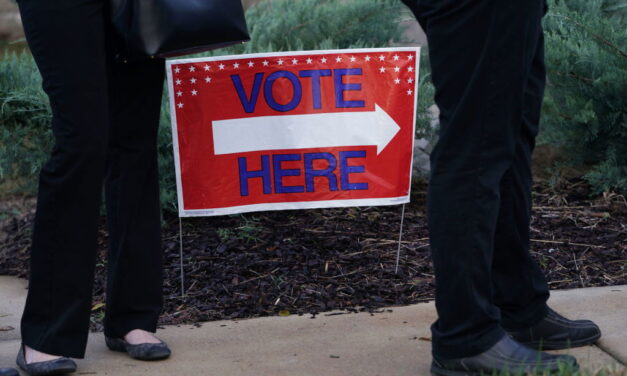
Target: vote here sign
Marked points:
293	130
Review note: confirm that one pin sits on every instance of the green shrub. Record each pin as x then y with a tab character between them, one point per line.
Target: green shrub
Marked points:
586	100
25	137
426	94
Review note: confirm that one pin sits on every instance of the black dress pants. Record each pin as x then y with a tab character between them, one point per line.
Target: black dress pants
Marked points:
105	122
488	70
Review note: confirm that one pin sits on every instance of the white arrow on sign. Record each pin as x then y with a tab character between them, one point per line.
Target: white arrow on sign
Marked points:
305	131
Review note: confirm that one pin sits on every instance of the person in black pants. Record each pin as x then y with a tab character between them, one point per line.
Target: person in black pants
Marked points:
487	59
105	122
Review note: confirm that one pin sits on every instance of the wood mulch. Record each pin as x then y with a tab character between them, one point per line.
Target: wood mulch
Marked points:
309	262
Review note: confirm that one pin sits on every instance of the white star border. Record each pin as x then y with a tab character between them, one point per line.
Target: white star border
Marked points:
194	72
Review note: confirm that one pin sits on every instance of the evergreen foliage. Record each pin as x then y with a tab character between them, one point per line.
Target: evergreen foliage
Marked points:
25	136
585	110
285	25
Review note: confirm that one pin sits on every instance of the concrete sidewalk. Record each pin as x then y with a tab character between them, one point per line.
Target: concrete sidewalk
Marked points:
393	342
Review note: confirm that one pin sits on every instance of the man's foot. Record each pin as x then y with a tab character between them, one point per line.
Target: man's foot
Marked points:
555	332
506	356
140	344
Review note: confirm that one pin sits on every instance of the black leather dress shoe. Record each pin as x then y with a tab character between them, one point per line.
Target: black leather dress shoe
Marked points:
8	372
143	351
506	356
555	332
61	366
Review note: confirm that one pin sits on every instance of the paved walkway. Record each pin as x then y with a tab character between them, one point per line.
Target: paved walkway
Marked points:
394	342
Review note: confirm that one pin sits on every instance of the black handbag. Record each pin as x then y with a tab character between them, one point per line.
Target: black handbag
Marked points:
167	28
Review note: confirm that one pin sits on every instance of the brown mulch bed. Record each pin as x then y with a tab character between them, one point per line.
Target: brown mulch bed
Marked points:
308	262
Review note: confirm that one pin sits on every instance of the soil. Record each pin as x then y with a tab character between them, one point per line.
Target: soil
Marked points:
315	261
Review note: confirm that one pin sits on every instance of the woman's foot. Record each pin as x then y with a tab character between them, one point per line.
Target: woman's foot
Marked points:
34	356
42	364
140	344
138	336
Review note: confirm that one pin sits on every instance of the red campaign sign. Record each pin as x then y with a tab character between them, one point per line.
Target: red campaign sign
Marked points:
293	130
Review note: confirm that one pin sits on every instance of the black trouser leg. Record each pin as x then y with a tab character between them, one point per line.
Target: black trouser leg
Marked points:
134	290
481	54
105	120
520	290
67	40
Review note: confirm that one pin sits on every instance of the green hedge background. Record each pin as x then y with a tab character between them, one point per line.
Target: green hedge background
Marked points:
585	104
585	112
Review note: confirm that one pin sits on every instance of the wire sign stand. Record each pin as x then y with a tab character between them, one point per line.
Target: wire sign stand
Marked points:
181	257
400	239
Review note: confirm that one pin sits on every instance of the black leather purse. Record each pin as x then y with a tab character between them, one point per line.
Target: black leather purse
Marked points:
167	28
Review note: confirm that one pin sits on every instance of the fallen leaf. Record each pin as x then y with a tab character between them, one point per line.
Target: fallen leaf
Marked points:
600	215
97	306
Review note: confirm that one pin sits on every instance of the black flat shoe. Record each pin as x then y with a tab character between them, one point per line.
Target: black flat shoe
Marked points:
143	351
8	372
61	366
507	356
555	332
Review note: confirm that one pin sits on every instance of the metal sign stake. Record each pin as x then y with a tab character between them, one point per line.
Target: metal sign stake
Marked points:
400	238
181	257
